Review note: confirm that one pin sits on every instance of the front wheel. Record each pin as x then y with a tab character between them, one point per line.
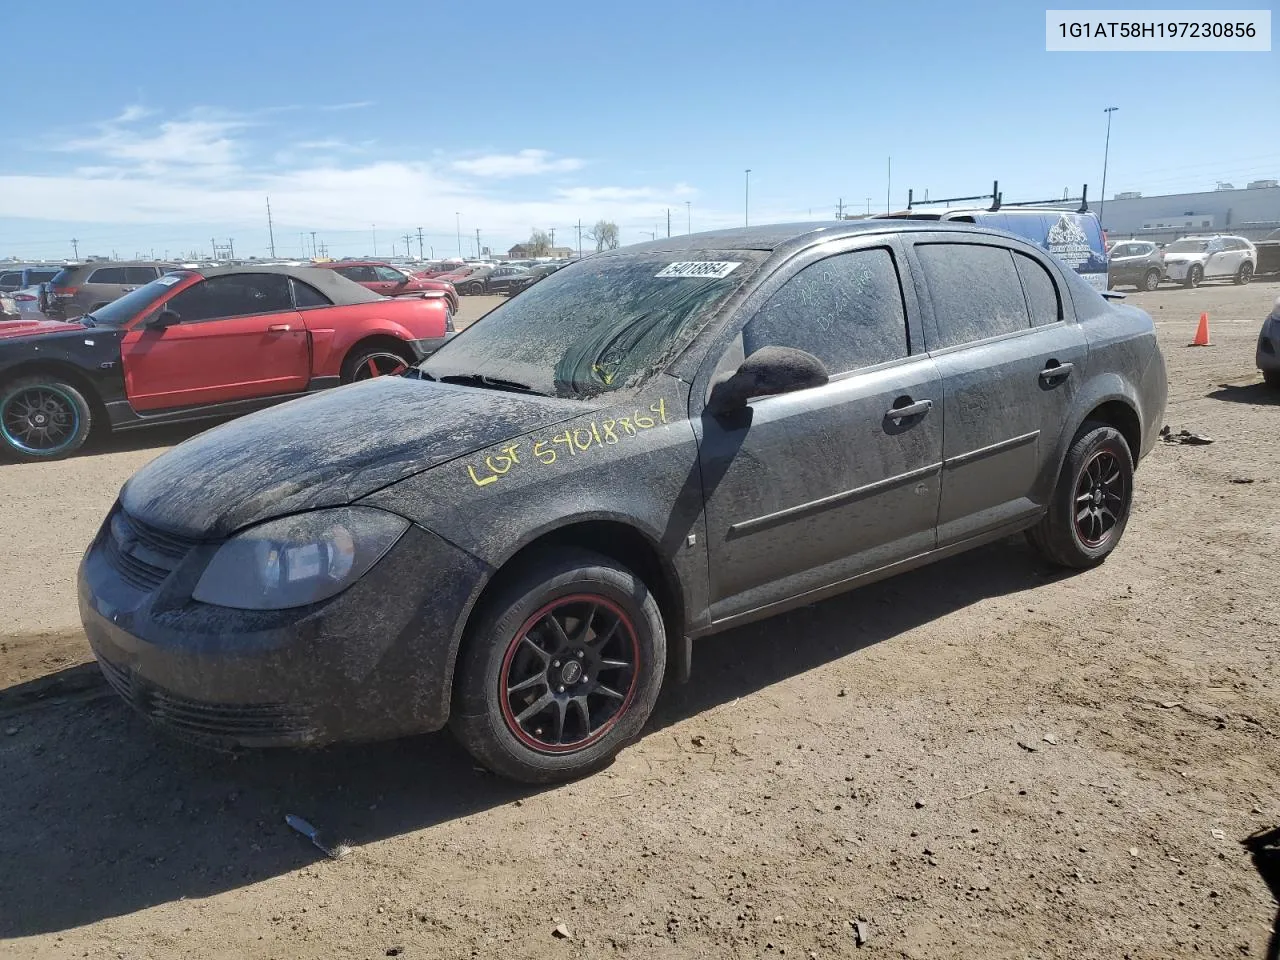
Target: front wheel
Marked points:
474	289
1194	276
1091	502
1245	273
43	418
560	669
1151	280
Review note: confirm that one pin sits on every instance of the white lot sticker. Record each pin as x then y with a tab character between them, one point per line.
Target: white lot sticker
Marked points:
712	269
168	281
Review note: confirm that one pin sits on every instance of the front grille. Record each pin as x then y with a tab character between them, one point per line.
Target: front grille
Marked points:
239	722
142	554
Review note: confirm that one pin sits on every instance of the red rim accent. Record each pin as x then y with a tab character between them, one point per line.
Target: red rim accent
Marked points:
503	674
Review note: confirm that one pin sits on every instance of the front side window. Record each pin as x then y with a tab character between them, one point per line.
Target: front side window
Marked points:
238	295
975	291
360	274
845	310
139	275
388	274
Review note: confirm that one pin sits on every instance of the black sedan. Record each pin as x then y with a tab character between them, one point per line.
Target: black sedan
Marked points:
647	447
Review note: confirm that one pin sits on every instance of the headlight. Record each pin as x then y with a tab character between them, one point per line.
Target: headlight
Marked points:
298	560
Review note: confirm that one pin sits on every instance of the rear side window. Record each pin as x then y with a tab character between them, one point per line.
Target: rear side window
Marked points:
11	279
108	275
975	292
139	275
305	295
846	310
1043	302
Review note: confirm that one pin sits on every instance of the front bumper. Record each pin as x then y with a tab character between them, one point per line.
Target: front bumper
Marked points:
1268	355
429	345
1178	270
371	663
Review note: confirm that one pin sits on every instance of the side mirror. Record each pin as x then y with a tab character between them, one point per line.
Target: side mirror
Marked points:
165	318
767	372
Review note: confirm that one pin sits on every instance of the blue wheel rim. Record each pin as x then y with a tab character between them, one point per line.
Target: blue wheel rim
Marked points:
40	421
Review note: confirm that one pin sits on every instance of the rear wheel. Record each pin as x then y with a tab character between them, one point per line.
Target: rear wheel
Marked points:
1091	502
1271	378
376	361
560	669
43	418
1245	273
1151	280
473	289
1194	276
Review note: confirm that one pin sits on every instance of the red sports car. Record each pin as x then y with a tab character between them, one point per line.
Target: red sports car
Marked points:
213	342
390	281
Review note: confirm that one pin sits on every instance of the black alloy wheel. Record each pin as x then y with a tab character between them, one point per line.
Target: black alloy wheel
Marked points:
1102	496
42	419
1245	273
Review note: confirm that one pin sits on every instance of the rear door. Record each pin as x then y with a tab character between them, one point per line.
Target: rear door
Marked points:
1011	359
1218	262
239	338
810	488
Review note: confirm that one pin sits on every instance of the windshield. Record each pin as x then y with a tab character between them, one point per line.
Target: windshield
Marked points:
1187	246
605	324
119	312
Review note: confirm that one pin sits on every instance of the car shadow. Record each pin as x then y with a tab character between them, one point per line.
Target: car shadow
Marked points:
1256	393
1264	849
101	815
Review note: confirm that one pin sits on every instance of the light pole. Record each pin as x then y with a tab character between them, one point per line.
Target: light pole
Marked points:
688	212
1106	152
374	227
458	218
746	201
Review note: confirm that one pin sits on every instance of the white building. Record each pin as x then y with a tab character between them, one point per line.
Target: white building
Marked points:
1251	212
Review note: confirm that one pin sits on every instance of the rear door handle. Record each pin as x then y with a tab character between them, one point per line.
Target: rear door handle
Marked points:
912	409
278	328
1056	371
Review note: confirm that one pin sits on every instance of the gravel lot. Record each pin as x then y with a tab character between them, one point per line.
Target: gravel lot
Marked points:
982	759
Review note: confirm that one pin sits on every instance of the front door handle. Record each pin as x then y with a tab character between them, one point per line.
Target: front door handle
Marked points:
910	409
278	328
1056	371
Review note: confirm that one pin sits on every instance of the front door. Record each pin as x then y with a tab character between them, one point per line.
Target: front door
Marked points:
388	281
811	488
1010	362
238	338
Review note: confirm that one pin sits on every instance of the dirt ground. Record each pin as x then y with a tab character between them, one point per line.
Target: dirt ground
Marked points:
983	758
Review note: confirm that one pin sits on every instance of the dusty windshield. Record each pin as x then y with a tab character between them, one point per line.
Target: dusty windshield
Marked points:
605	324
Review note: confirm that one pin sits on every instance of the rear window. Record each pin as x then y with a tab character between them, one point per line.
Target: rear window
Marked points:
13	278
64	277
40	276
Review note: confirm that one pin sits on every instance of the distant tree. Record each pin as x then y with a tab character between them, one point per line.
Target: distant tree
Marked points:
538	244
605	235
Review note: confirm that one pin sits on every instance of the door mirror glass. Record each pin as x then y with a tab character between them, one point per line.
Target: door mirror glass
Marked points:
767	372
165	318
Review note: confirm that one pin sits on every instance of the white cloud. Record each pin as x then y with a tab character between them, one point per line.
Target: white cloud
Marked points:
522	164
201	143
350	105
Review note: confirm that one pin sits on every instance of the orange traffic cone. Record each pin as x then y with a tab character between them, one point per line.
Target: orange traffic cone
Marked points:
1202	333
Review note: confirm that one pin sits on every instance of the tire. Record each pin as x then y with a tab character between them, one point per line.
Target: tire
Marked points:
1271	378
504	648
1098	453
366	362
473	289
43	418
1244	274
1151	280
1194	276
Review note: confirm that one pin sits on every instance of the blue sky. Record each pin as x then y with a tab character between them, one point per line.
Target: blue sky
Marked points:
159	126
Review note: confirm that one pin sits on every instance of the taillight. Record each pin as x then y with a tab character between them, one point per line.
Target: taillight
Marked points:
65	291
24	297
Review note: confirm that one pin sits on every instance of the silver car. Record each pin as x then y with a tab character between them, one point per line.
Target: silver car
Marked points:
1269	347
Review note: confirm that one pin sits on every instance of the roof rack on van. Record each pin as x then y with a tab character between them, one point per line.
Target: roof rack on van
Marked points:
997	199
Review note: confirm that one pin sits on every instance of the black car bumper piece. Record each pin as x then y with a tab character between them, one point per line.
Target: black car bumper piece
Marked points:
429	345
373	662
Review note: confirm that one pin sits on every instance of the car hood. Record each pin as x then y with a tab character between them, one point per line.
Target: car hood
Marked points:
326	450
37	328
1185	257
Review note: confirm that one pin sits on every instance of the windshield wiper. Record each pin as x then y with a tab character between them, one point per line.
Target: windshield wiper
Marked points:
491	383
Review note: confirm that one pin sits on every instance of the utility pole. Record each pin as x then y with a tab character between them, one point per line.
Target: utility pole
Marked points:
419	243
374	227
668	222
271	233
458	223
75	248
868	206
477	243
313	244
407	238
1106	152
840	209
579	238
231	245
746	201
888	186
553	238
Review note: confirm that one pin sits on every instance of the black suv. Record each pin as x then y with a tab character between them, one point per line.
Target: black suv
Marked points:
1136	262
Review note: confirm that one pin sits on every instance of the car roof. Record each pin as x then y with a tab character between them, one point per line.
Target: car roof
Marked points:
334	264
783	237
329	282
